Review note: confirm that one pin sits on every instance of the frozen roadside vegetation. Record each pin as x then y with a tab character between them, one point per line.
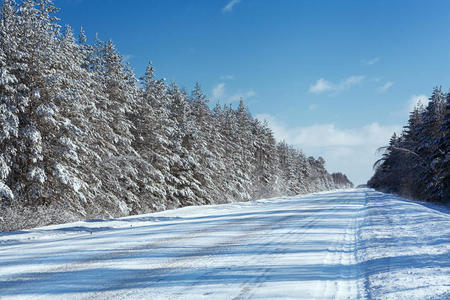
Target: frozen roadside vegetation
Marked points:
346	244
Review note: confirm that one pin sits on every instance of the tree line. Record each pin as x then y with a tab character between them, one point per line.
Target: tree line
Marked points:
415	164
81	137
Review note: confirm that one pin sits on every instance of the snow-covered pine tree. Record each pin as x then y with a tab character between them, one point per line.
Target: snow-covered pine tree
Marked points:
151	142
11	102
265	172
244	141
187	189
285	166
440	163
341	181
414	164
30	63
429	129
119	161
220	156
204	144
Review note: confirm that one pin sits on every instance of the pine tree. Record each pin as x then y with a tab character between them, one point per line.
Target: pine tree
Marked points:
440	185
415	164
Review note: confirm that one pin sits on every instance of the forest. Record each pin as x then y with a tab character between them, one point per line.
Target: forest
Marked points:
81	137
416	164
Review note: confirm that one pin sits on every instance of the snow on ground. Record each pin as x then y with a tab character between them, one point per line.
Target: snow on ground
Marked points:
337	245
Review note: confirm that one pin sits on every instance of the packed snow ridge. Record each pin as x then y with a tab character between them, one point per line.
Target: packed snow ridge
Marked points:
347	244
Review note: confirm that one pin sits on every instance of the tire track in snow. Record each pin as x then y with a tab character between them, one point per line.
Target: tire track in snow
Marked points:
343	253
11	282
189	259
247	288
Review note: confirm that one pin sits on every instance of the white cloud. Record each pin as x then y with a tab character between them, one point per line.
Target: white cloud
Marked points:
127	57
370	61
243	96
312	107
416	100
352	80
227	77
328	135
385	86
322	85
219	92
230	5
352	151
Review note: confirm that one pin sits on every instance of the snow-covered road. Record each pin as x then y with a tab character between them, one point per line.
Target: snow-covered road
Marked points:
336	245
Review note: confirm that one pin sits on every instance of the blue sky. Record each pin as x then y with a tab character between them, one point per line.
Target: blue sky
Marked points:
334	78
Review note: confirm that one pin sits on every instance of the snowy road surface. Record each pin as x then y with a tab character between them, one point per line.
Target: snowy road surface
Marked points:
353	244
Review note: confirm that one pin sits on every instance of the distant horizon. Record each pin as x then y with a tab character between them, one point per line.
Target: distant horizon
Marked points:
333	79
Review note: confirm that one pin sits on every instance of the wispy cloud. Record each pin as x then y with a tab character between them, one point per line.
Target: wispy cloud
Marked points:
322	85
385	86
312	107
410	103
127	57
337	145
241	95
219	92
371	61
227	77
417	100
230	5
352	80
